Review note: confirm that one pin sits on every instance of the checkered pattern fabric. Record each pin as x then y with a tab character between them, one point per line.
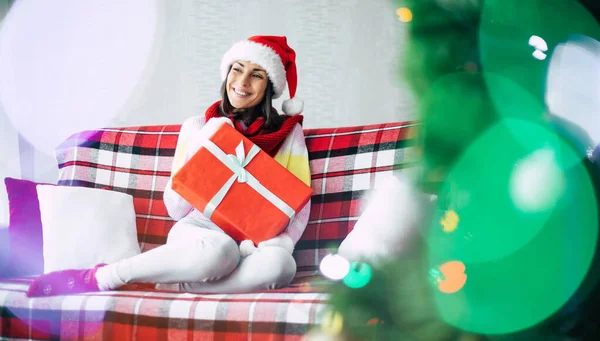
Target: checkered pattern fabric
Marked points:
345	162
153	315
135	160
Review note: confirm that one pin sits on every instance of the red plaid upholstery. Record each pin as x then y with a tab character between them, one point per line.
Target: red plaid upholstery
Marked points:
345	162
153	315
132	160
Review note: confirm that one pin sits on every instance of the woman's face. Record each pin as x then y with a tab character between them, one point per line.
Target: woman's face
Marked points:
246	84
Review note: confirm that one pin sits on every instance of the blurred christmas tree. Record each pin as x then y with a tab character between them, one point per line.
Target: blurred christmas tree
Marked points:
523	200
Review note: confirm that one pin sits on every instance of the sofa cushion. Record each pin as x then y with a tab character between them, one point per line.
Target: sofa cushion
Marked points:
285	314
135	160
392	217
25	255
83	227
345	163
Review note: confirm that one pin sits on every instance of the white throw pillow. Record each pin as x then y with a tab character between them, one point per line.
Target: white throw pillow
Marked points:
394	215
82	227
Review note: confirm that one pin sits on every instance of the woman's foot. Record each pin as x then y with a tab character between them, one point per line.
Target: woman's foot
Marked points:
65	282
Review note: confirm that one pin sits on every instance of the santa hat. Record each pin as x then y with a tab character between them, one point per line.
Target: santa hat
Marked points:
278	59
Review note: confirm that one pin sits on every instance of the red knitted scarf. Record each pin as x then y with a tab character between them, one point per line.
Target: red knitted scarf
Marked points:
269	142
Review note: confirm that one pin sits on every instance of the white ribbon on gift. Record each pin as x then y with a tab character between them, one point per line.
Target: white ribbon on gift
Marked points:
237	164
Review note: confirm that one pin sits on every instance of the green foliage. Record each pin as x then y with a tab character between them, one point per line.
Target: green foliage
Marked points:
397	304
469	64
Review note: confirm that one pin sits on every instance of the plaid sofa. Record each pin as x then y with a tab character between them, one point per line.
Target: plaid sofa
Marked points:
345	162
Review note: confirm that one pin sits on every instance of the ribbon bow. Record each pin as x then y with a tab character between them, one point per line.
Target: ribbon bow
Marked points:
237	163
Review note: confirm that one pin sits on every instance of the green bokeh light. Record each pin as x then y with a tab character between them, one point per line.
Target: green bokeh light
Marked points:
509	33
522	266
479	188
359	275
506	27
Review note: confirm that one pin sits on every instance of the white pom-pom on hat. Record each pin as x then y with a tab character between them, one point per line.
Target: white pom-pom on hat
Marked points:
292	106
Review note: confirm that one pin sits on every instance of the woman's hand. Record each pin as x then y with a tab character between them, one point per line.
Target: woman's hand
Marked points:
209	129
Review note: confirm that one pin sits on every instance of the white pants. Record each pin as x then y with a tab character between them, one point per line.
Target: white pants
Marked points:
204	260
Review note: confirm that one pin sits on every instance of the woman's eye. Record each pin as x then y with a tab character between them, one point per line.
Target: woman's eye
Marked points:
258	76
237	69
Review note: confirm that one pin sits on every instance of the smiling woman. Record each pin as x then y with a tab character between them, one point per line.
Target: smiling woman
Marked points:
247	92
246	85
253	77
199	254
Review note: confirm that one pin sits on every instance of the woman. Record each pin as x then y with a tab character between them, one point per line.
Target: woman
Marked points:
198	254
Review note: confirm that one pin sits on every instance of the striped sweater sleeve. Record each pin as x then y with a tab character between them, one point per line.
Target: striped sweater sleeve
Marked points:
178	207
293	155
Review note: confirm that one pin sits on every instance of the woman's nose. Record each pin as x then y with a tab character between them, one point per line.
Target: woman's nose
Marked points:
245	79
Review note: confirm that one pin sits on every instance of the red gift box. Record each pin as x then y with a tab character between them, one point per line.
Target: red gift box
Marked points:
240	188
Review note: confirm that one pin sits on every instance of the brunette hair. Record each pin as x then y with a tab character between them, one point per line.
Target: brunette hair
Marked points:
273	120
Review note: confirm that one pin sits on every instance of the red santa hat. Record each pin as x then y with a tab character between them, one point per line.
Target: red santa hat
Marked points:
278	59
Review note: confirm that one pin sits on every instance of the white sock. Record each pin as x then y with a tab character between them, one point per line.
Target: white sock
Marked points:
108	278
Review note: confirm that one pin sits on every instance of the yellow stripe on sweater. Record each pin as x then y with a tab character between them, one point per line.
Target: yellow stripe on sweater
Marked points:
179	157
297	164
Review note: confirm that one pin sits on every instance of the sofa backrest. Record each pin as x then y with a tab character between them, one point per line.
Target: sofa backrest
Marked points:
345	163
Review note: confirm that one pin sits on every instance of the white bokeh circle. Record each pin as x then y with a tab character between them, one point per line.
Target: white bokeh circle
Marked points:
537	182
334	266
573	84
67	66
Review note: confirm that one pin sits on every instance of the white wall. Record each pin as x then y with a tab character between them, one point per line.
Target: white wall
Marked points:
348	57
348	52
9	147
9	162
